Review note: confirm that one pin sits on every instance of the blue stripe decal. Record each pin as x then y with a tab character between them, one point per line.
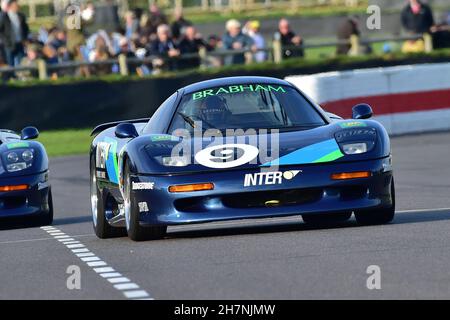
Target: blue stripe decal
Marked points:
306	155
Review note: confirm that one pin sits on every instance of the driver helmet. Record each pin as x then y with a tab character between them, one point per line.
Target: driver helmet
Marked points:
214	110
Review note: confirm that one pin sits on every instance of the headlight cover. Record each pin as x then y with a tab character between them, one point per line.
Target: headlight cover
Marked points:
354	148
18	159
356	141
175	161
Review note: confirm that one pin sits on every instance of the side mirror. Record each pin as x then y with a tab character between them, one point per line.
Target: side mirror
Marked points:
29	133
126	130
362	111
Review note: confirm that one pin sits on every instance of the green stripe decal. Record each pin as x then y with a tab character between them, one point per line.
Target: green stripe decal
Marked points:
16	145
330	157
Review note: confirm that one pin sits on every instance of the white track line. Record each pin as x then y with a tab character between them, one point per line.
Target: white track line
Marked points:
422	210
129	289
110	274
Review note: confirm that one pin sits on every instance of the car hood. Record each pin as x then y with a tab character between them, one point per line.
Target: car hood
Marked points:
166	154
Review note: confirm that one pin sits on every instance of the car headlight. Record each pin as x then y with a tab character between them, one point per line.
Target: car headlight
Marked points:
27	155
175	161
354	148
18	160
12	157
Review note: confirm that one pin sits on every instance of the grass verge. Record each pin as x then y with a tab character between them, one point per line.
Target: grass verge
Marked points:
66	142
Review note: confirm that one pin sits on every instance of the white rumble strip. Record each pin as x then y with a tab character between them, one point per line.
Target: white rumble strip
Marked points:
129	289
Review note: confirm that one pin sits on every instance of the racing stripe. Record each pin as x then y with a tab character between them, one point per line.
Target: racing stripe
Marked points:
330	157
324	151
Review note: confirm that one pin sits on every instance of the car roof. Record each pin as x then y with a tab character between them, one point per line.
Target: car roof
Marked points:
228	81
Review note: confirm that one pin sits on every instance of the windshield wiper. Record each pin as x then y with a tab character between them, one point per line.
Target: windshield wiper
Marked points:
187	119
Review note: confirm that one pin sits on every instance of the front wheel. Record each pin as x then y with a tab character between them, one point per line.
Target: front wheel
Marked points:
46	218
135	231
102	228
374	216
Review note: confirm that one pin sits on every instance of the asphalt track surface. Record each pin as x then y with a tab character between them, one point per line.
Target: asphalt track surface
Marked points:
258	259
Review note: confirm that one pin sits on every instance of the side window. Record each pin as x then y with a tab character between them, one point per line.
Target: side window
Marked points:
161	117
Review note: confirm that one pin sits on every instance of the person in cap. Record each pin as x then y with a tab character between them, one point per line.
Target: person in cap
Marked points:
253	31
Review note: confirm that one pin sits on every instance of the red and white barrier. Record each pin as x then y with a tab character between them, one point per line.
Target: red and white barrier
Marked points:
405	99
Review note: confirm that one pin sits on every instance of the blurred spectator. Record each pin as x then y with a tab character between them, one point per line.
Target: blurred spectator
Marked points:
179	24
289	39
163	47
131	24
57	39
213	44
13	32
3	8
441	33
191	44
88	17
100	52
253	28
30	60
125	49
49	54
417	17
345	30
234	39
348	28
153	20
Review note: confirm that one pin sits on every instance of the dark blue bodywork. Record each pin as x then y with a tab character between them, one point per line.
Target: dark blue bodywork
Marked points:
312	191
35	201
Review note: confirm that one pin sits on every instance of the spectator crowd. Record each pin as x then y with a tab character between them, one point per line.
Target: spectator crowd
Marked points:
152	42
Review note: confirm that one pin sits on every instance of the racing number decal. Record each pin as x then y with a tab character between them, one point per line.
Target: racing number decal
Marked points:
222	156
106	158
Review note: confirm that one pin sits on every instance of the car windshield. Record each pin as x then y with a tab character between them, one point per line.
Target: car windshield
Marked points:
256	106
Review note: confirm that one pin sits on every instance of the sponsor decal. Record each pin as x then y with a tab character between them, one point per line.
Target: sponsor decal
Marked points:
143	207
163	137
16	145
236	89
269	178
101	174
352	124
142	185
223	156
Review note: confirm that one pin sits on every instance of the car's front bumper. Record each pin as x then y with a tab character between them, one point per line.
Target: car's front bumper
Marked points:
29	202
311	192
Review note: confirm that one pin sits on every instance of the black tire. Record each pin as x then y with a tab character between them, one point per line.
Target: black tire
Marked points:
46	218
326	218
102	228
135	231
381	216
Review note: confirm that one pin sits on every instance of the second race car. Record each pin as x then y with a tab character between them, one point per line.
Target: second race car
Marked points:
25	192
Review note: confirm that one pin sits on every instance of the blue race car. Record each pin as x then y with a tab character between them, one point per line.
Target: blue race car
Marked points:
24	187
238	148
